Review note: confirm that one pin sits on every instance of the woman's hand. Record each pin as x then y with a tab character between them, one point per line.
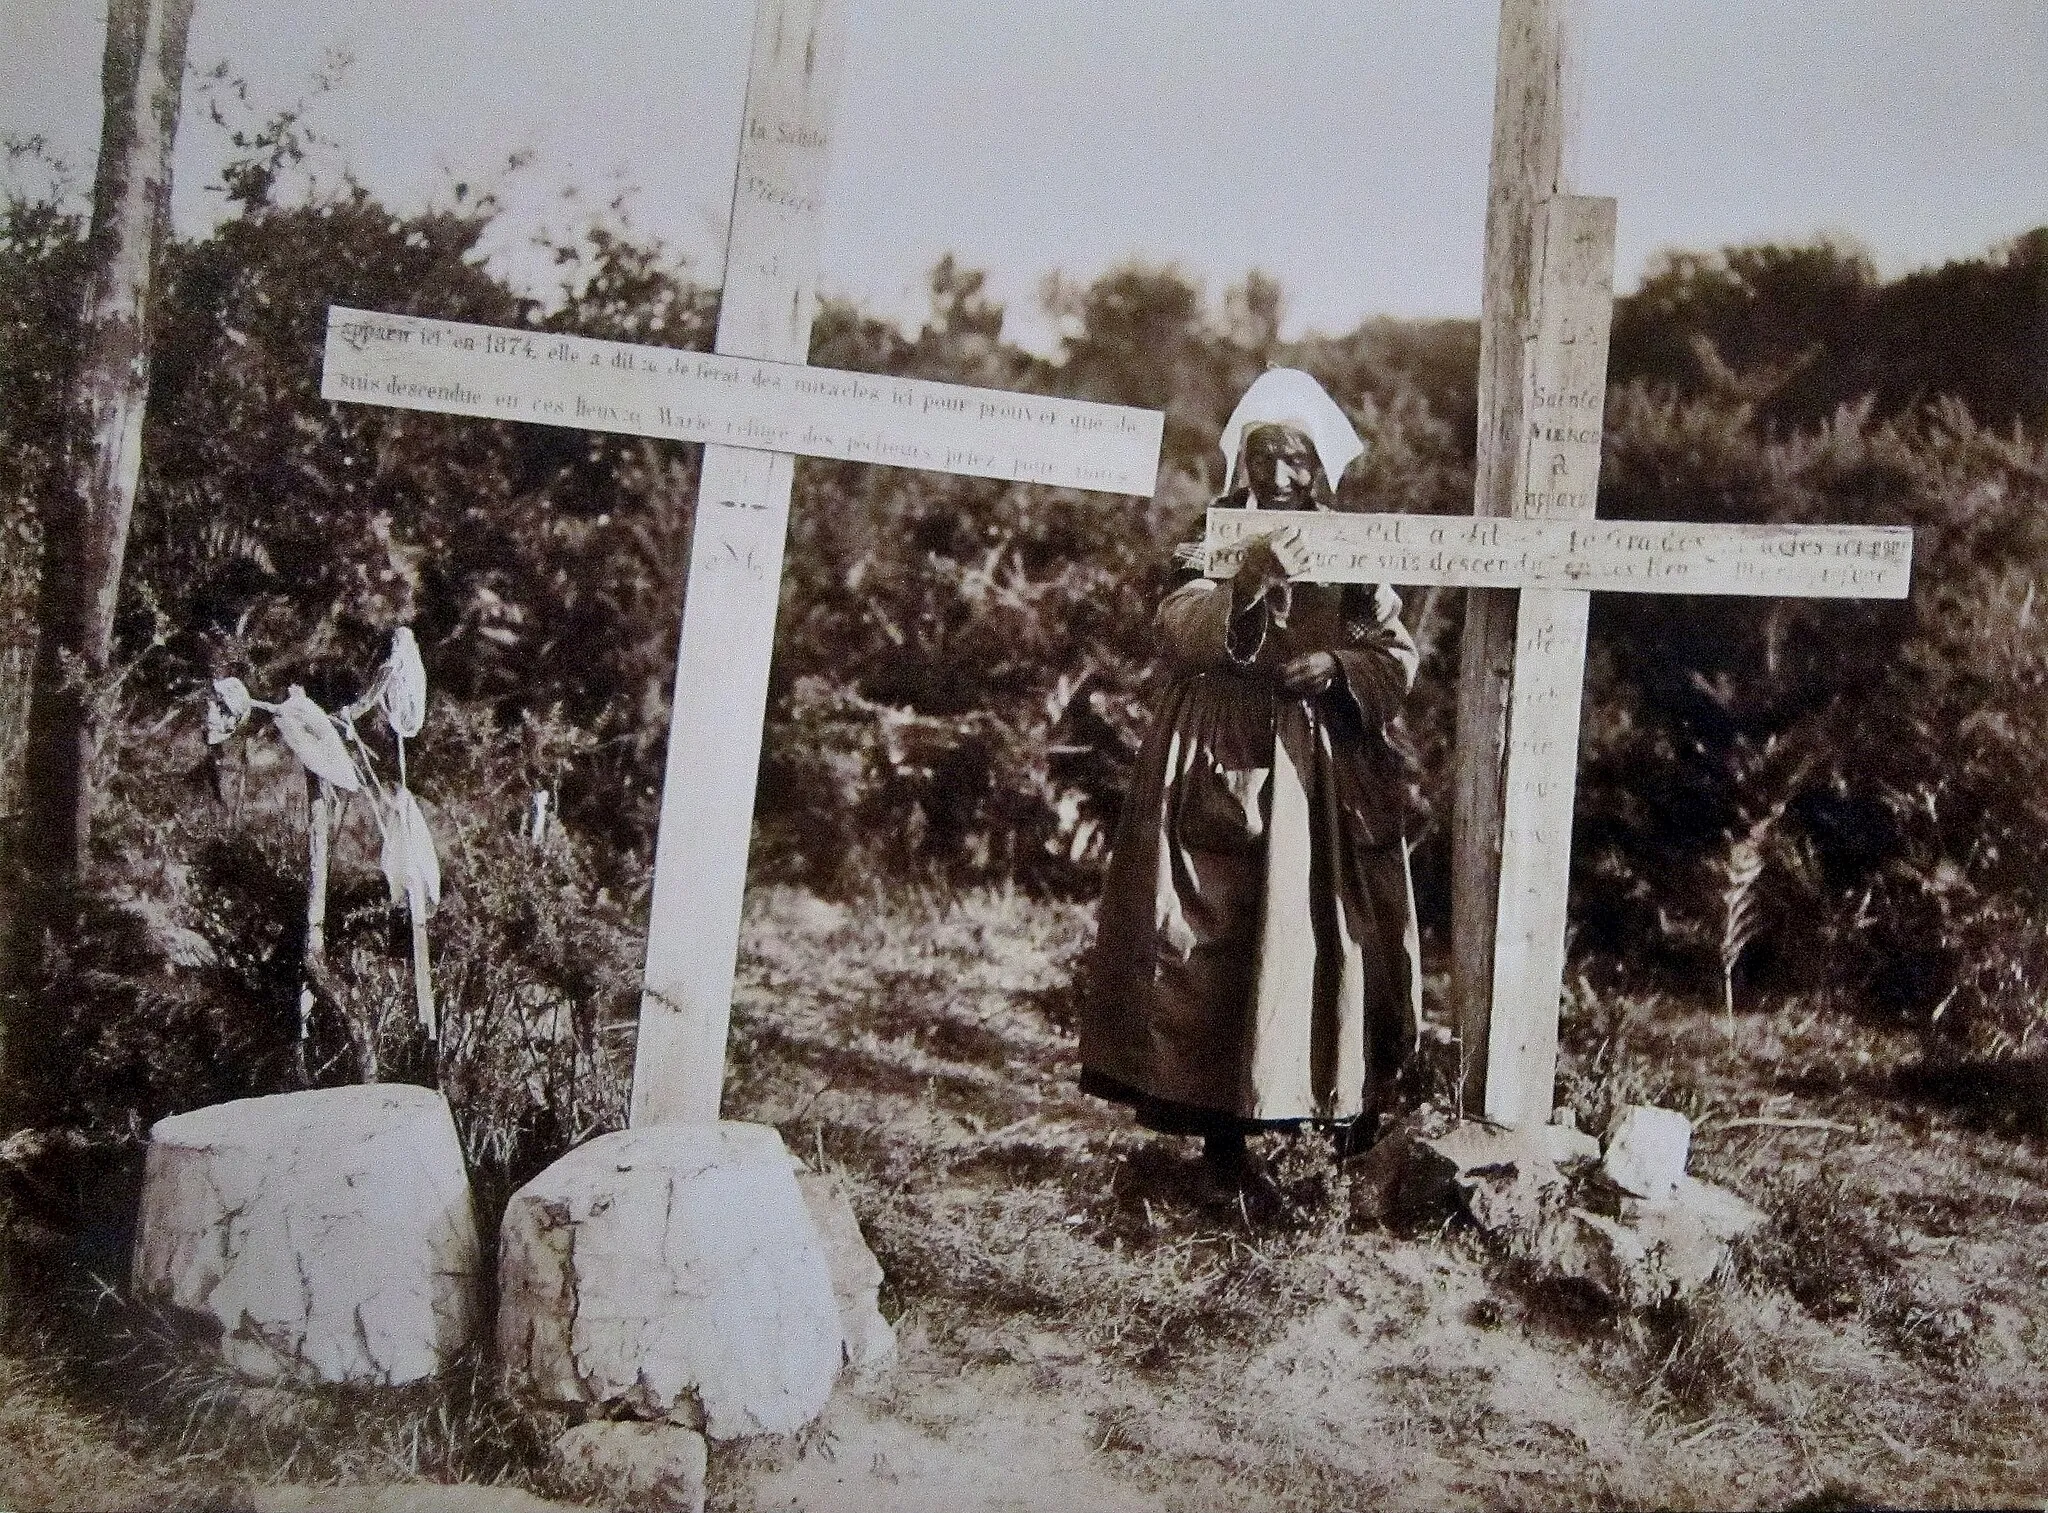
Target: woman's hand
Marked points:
1312	672
1269	561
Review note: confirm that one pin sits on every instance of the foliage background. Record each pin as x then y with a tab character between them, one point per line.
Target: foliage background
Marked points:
1773	795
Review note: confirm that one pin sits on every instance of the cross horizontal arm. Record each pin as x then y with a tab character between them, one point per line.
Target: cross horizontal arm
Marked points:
505	373
1629	556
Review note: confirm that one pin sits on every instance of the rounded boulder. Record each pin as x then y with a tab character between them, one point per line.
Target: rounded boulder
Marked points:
670	1272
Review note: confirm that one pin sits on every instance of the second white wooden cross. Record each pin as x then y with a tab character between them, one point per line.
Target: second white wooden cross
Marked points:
1529	557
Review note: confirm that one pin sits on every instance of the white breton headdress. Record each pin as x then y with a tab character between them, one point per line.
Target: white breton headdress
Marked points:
1288	396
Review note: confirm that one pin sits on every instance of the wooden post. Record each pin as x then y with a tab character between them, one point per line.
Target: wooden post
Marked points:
721	692
1528	155
319	831
422	969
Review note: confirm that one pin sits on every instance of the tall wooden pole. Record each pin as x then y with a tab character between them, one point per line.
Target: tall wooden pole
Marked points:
85	521
736	543
1528	156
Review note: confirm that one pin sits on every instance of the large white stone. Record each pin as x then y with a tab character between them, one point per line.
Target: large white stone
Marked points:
670	1271
1646	1150
329	1233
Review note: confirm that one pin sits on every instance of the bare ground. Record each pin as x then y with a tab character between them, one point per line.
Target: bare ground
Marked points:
1078	1334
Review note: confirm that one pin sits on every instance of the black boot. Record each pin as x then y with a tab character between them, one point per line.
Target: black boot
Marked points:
1232	1179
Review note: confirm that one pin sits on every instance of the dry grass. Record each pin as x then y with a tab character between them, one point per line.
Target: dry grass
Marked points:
130	1382
1077	1332
58	1457
1883	1334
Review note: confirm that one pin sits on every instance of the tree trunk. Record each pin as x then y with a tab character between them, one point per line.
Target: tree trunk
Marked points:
85	522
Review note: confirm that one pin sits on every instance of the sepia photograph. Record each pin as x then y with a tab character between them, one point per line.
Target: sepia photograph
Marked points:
875	755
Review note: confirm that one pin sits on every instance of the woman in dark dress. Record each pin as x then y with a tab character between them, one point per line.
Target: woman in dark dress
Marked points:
1256	960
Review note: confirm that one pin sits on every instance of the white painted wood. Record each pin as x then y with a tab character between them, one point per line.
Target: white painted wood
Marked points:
755	403
503	373
1558	478
728	635
1629	556
1535	861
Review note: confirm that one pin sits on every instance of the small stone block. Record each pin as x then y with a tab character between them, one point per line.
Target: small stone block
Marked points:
670	1271
329	1233
1646	1150
655	1466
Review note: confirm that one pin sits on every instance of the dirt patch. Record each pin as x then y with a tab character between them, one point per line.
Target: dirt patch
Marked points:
1084	1333
1078	1332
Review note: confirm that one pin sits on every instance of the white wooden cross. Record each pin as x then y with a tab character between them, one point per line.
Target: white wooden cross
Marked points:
1530	556
756	406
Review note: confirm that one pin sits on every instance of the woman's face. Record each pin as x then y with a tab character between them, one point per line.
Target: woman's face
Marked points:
1280	465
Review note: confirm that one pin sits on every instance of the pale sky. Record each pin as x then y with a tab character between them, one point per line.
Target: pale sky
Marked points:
1339	147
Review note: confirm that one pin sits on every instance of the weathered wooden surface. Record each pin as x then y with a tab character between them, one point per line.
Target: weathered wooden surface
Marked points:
1518	746
501	373
1632	556
756	404
714	737
1529	130
1558	477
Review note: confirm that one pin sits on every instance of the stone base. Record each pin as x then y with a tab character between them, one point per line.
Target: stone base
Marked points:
670	1272
328	1233
867	1342
1419	1170
1538	1197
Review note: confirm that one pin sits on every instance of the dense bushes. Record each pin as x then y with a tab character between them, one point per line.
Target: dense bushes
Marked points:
1879	757
1801	331
180	984
1783	793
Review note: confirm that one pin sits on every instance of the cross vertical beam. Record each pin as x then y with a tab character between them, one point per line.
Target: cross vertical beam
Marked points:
736	545
1526	169
1557	477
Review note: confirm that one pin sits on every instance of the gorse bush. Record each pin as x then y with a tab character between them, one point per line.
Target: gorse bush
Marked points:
180	985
